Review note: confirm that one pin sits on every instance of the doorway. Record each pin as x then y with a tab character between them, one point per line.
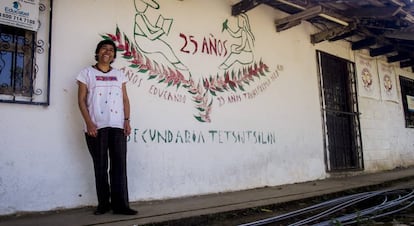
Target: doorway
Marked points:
342	136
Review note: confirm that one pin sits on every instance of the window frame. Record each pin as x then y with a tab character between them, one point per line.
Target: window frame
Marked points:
407	89
40	50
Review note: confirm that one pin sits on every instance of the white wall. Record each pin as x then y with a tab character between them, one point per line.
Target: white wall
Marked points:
44	161
386	142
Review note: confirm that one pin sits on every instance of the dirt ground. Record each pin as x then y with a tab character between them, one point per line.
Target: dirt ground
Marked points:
399	218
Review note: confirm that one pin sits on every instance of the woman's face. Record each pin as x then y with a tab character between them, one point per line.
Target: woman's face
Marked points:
106	54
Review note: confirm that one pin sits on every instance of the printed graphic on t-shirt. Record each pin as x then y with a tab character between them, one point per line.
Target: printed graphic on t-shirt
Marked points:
106	78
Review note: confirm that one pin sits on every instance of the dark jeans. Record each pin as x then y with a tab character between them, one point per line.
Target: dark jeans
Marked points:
112	141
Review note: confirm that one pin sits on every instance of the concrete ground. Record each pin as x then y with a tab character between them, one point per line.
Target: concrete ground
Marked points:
175	209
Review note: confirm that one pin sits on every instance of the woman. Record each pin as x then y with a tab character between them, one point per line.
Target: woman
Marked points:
104	105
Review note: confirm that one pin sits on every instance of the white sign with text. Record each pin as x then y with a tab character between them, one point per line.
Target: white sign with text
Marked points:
20	13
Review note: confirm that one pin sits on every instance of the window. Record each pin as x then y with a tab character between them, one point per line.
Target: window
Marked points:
16	61
24	61
407	96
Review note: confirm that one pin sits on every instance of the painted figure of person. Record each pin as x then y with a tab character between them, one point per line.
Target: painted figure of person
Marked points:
387	84
149	35
105	108
366	79
243	52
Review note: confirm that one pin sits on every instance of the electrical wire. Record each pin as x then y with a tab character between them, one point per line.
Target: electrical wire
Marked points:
383	203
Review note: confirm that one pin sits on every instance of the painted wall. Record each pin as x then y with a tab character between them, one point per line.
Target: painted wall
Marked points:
387	143
264	129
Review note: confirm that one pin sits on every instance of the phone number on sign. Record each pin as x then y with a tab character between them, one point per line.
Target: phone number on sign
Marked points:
17	18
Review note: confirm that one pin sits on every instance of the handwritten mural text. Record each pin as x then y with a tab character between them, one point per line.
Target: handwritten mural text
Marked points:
209	45
201	137
167	95
134	78
260	88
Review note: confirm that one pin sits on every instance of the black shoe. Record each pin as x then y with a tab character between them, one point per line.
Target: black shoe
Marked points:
126	211
101	210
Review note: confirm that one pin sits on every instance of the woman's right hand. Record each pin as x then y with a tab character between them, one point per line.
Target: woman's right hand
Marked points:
92	130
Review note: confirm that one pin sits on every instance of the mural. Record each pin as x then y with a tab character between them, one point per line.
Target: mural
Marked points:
376	79
146	31
368	84
388	82
151	55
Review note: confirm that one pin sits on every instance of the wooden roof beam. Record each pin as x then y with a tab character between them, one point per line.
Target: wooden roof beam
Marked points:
329	15
399	57
407	63
244	6
343	36
332	34
364	43
295	19
381	50
377	12
398	2
407	15
376	3
405	35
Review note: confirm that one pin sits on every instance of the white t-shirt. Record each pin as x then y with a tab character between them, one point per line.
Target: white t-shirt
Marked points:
104	98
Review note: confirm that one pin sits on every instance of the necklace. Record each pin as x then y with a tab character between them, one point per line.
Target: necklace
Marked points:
99	69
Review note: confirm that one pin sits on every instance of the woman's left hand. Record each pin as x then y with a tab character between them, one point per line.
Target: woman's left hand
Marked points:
127	128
